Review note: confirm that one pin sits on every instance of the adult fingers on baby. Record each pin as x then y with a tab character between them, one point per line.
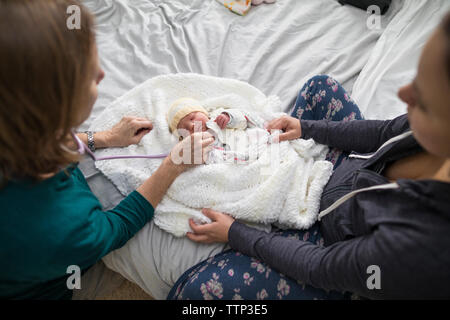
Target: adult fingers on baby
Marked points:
219	227
202	238
207	142
290	126
290	135
216	231
193	146
200	135
275	124
222	218
200	146
293	129
206	135
206	152
199	140
213	215
198	228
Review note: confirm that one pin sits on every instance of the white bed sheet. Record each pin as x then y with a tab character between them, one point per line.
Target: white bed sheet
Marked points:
275	47
394	59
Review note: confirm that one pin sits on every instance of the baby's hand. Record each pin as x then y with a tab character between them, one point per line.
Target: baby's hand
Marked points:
222	120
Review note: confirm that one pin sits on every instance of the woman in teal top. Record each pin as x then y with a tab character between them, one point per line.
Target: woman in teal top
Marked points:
49	218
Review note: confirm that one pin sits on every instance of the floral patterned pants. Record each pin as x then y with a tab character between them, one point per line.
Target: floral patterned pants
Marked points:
231	275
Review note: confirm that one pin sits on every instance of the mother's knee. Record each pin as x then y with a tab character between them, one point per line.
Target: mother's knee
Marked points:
322	78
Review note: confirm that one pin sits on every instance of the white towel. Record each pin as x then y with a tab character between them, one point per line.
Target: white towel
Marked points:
283	185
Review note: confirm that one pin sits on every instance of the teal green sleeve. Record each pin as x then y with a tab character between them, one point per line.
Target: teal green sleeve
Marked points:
105	231
47	226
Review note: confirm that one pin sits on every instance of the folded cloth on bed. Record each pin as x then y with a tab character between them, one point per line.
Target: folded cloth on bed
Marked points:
282	184
242	7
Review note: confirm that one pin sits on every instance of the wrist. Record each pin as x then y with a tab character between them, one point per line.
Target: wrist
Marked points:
229	230
172	167
103	139
300	128
90	141
234	227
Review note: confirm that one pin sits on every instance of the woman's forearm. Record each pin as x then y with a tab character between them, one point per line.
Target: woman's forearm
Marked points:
362	136
155	187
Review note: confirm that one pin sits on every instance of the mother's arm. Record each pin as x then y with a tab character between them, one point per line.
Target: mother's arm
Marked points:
104	231
156	186
362	136
376	266
348	266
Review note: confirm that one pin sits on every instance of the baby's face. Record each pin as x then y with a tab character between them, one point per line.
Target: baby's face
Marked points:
194	121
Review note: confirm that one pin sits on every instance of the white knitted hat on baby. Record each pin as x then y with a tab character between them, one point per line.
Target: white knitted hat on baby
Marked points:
181	108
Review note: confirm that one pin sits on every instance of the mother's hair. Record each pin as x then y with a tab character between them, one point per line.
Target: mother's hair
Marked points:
446	27
45	74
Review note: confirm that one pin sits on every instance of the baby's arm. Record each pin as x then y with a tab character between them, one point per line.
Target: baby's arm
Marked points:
232	119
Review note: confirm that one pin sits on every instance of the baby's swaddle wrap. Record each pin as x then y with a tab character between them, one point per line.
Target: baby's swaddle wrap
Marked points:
282	183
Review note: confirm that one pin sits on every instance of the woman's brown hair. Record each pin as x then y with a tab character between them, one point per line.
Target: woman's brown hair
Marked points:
446	27
44	79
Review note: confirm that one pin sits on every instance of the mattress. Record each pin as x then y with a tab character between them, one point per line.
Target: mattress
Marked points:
275	48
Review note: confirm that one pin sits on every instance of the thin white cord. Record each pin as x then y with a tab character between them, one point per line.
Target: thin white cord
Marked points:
394	139
340	201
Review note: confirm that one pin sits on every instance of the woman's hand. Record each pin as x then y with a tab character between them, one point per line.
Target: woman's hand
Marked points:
192	150
130	130
216	231
155	187
291	127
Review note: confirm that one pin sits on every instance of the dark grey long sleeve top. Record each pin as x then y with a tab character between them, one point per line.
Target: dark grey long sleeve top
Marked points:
403	232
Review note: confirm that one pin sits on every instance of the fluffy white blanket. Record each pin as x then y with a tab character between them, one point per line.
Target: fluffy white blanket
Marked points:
282	185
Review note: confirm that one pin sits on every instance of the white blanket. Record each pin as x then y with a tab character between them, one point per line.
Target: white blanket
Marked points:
283	184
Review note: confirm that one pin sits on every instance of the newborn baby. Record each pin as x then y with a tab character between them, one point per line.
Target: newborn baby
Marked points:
186	113
247	174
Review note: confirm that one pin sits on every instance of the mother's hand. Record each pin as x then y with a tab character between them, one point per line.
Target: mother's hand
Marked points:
216	231
155	187
192	150
291	127
130	130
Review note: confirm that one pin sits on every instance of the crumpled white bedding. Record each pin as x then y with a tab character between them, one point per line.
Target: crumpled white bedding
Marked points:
275	48
394	59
